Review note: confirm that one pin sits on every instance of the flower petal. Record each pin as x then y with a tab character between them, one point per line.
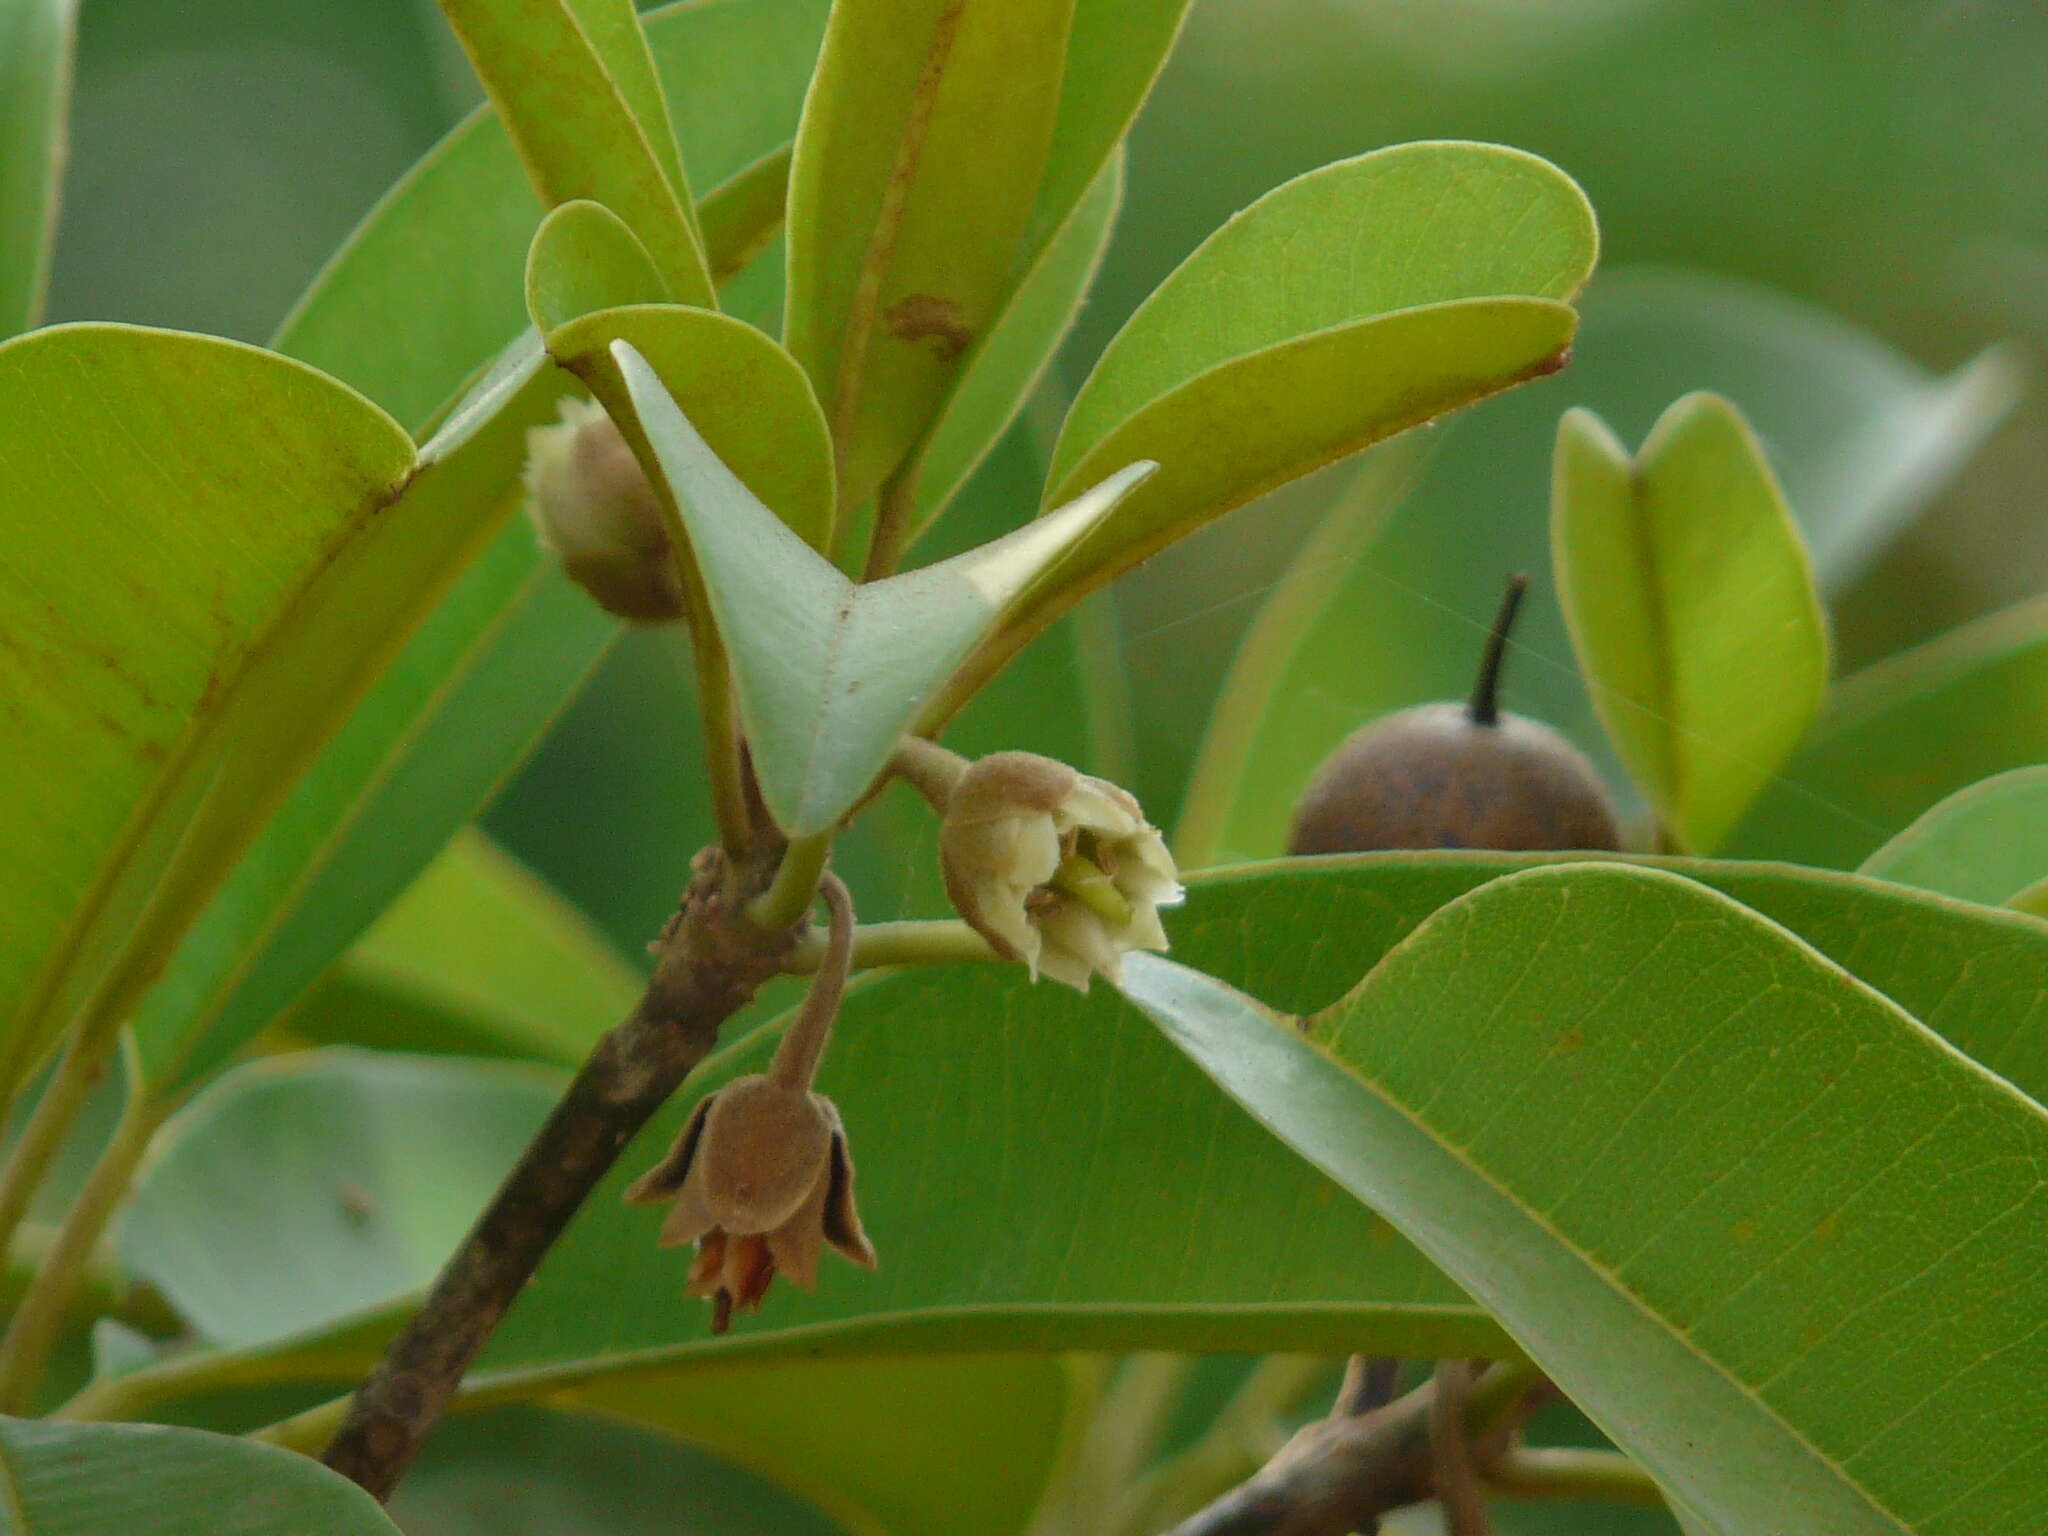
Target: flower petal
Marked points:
667	1176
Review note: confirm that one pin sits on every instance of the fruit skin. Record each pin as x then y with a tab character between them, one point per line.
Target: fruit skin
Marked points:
1434	777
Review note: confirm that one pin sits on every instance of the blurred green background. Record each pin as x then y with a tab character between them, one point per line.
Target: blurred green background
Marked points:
1880	160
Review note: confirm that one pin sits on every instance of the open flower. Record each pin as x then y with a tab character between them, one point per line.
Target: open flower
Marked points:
760	1178
1053	867
596	513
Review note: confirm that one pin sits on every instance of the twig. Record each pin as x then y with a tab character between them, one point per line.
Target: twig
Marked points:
1369	1383
711	960
1565	1472
1339	1474
916	941
1450	1449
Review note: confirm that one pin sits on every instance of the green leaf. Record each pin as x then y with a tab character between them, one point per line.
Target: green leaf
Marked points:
1064	1180
616	36
429	287
1279	346
1691	606
1115	51
35	102
1572	1090
143	1480
1016	350
478	957
907	1447
300	1191
741	217
1898	736
584	258
195	523
1858	436
1987	843
830	673
529	1470
917	165
753	401
574	126
1443	221
425	289
296	1191
433	736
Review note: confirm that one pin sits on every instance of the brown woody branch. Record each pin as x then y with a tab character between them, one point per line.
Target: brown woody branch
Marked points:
710	962
1338	1475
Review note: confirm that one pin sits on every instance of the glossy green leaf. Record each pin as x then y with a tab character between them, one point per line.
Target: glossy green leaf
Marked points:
916	169
529	1471
1572	1090
830	673
351	1174
1134	1208
1986	843
584	258
297	1190
1016	350
143	1480
753	401
170	559
429	287
575	129
1115	50
741	217
616	36
1400	228
890	1447
1290	339
35	102
477	957
1691	606
1897	737
1858	436
433	737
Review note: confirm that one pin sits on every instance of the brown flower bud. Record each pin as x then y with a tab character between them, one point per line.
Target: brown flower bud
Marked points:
761	1178
1456	776
595	512
1053	867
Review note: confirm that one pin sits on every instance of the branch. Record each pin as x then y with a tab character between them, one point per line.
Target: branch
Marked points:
711	960
1339	1474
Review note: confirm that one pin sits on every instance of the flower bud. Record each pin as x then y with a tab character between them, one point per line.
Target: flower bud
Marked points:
1054	868
595	513
761	1180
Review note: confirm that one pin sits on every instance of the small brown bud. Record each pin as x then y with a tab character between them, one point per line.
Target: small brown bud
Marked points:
594	510
761	1178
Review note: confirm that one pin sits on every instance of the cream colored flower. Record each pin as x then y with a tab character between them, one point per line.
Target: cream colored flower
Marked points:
595	512
1055	868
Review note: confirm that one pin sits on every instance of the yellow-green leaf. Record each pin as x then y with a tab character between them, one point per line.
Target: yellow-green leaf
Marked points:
917	166
35	101
184	512
574	129
584	258
1692	608
754	403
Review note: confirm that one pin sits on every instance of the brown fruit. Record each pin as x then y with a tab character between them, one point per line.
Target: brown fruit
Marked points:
1456	776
